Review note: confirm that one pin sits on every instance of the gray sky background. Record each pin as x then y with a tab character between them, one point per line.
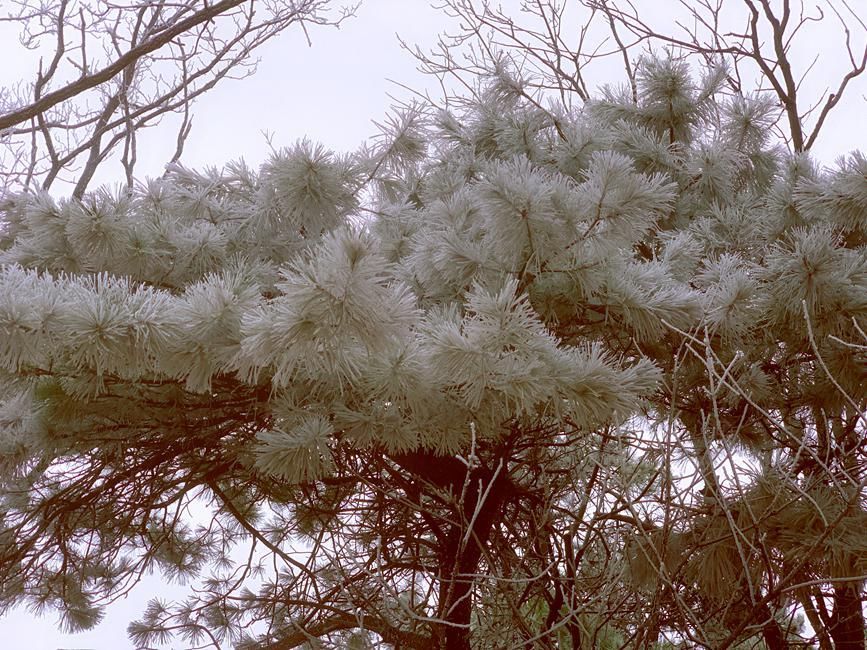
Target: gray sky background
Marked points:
330	93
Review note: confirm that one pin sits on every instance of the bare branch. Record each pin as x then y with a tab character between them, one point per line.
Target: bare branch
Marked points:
142	43
42	104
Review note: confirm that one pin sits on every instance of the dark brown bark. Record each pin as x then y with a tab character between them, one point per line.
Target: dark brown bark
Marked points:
847	622
456	594
771	631
460	563
466	539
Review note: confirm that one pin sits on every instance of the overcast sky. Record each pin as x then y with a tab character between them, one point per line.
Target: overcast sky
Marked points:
331	92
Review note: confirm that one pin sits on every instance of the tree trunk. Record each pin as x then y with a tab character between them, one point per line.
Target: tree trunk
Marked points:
460	561
461	547
458	594
772	633
458	568
847	622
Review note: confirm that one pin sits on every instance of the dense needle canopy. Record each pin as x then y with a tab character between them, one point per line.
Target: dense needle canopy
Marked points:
511	375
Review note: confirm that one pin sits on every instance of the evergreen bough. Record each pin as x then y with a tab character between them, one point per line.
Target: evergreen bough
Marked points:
508	376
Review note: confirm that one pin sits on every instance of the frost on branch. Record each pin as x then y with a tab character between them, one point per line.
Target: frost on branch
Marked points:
448	360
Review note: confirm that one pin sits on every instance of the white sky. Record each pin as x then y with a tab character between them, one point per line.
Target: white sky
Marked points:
331	93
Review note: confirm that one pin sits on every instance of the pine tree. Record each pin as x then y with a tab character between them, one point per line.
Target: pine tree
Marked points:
510	377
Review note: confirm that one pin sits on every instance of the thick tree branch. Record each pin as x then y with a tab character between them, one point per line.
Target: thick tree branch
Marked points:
87	82
341	621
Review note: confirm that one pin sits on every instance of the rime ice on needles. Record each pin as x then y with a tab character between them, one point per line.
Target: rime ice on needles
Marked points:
331	337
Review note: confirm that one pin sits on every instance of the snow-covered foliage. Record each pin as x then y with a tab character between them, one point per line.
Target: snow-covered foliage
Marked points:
462	351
